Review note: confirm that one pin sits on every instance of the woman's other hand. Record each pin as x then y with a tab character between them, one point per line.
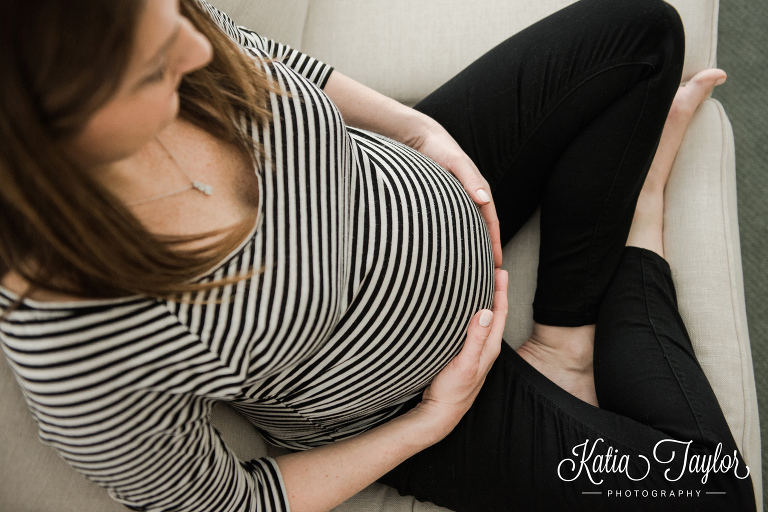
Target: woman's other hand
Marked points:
365	108
451	393
436	143
323	477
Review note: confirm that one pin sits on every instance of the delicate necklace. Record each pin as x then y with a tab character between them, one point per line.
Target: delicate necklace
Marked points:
202	187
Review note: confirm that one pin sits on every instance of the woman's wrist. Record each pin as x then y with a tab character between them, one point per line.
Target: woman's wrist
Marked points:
414	131
428	425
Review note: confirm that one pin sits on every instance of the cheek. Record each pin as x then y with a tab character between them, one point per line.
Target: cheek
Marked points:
155	106
135	124
120	130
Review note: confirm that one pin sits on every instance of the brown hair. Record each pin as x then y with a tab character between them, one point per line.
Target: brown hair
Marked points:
59	229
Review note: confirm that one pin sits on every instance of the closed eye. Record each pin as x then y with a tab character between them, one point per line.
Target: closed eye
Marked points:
157	76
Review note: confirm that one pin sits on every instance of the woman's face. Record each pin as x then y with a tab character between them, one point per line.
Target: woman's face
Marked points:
167	47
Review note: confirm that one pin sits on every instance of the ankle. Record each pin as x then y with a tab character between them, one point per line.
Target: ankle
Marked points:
650	202
570	347
647	227
655	182
564	356
682	111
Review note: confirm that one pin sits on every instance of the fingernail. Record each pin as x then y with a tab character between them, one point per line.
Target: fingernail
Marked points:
485	317
483	195
720	82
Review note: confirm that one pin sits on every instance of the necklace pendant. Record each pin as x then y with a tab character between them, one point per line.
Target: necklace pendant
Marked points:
202	187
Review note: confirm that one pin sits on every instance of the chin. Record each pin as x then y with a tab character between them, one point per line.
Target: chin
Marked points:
173	115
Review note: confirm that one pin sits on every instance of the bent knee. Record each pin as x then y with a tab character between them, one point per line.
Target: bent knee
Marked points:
659	25
667	22
663	20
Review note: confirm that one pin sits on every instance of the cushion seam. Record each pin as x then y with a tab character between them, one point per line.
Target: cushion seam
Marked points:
727	235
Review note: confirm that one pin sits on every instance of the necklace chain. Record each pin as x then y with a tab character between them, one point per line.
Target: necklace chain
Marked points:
202	187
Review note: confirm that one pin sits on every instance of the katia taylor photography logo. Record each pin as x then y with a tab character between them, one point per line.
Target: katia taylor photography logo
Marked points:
594	459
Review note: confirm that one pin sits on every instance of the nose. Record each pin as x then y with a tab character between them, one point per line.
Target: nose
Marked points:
196	49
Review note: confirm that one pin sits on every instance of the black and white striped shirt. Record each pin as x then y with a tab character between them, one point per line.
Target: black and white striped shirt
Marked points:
375	260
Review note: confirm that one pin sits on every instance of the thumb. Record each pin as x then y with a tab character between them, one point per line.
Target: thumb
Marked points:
477	334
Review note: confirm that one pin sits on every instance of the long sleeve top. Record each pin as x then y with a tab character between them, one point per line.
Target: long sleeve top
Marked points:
373	260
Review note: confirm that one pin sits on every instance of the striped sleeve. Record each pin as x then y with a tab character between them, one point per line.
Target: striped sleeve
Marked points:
120	400
310	68
186	467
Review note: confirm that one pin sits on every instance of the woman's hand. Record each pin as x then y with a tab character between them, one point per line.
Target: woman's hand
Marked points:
365	108
436	143
453	390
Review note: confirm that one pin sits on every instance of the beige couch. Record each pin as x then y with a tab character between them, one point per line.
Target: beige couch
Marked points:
405	49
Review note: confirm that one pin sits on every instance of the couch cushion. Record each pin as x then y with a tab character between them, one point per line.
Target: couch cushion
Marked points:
702	233
282	20
406	49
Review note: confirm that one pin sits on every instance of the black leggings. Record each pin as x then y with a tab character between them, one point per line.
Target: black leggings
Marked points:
567	114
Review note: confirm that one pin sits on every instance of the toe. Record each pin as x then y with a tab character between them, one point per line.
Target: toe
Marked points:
709	78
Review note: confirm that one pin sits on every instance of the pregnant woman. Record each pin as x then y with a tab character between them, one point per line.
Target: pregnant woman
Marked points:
190	213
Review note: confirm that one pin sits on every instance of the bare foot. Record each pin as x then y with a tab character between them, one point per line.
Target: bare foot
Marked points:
564	356
687	100
648	223
697	89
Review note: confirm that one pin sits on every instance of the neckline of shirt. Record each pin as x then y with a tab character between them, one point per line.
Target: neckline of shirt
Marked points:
57	305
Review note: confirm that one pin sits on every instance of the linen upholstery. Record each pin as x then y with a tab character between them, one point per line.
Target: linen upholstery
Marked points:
702	237
283	20
406	49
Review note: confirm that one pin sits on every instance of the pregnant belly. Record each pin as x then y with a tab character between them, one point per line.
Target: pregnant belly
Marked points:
437	273
425	268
